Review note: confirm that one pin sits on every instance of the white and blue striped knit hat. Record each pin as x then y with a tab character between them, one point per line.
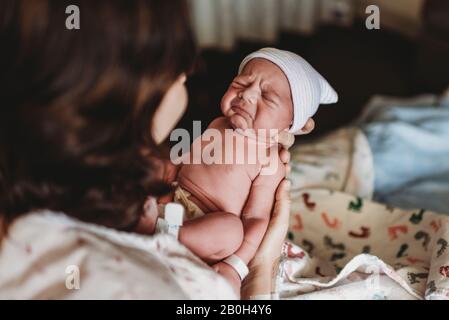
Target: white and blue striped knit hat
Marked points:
308	88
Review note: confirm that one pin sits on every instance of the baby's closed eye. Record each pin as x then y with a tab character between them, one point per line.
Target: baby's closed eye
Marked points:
271	98
238	84
268	96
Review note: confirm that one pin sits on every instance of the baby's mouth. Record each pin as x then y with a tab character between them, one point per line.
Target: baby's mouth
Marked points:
242	112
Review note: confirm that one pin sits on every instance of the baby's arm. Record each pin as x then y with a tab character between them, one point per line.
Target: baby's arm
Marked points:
257	211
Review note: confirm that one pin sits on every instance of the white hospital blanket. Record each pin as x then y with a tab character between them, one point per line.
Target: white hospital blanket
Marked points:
48	255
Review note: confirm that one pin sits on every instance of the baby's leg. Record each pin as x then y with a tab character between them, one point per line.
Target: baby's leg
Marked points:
213	236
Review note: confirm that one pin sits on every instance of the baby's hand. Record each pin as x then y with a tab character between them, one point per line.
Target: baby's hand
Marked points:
230	274
147	221
170	176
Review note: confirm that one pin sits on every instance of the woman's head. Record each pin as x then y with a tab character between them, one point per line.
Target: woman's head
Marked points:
77	106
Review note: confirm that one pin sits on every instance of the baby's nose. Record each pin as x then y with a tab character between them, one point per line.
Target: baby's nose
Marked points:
250	95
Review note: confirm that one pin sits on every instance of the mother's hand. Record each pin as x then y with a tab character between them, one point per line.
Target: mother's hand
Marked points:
287	139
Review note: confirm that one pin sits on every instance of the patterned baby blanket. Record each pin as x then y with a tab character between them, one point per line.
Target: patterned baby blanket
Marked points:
341	245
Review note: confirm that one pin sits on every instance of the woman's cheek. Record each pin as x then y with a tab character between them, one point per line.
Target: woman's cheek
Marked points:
169	112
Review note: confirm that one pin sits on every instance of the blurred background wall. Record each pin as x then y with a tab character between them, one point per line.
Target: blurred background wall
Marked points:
220	23
401	15
407	56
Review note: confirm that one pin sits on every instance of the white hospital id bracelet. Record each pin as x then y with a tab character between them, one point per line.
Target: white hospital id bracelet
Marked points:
174	216
238	265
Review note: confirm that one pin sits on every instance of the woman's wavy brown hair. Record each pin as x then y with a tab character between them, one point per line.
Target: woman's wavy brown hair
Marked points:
74	128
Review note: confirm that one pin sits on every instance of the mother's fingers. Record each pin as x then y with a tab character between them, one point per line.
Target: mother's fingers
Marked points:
308	127
278	226
282	205
283	190
286	139
284	155
288	169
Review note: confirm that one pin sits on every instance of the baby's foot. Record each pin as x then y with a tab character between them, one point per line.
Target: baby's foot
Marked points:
147	222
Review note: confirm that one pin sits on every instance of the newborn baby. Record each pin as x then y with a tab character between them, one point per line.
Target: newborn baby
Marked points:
228	206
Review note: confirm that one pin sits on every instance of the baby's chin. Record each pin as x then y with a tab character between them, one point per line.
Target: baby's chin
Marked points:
239	122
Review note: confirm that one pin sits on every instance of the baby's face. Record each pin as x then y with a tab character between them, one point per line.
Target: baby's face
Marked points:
259	98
